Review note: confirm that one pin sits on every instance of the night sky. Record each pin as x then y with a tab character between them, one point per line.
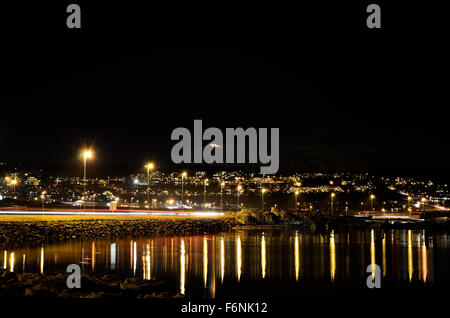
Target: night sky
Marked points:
344	97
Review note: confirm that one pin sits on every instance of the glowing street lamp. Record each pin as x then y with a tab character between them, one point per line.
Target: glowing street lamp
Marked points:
424	200
371	201
239	188
295	199
87	154
222	184
14	182
409	198
43	200
149	167
183	175
332	199
262	198
204	193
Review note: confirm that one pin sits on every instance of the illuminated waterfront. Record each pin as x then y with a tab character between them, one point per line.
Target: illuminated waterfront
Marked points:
251	262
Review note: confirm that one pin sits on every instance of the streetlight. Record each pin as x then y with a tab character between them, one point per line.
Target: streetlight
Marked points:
87	154
222	184
262	198
295	197
423	203
409	198
183	175
14	182
93	201
43	200
371	201
332	198
204	193
239	188
148	166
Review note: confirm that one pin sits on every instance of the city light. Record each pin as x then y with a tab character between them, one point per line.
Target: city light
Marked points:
87	154
217	192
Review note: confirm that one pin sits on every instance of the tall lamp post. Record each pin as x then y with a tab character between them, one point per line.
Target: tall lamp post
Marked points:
86	155
371	201
332	199
43	200
239	188
204	193
295	201
149	167
183	175
424	200
222	184
14	182
262	198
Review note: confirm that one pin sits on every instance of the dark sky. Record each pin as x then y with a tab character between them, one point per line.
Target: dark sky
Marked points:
344	97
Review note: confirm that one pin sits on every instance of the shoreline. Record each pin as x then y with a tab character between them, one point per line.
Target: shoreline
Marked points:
15	230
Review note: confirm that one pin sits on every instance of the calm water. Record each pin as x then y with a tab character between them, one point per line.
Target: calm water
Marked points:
253	262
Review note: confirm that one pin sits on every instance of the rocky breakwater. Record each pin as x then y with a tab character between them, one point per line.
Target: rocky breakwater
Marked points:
319	221
106	286
308	221
41	231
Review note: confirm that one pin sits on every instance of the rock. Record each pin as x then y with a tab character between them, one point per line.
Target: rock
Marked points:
38	291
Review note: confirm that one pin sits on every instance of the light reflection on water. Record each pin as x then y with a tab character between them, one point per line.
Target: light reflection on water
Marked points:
251	261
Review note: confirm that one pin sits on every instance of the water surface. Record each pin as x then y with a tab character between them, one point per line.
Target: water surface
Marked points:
253	262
